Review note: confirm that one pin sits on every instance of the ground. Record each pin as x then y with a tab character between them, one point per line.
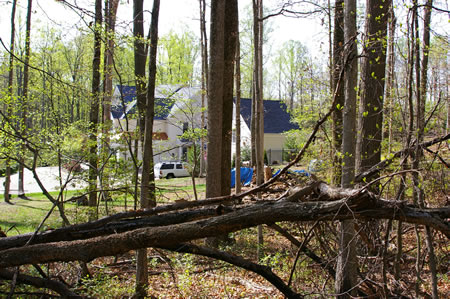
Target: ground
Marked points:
174	275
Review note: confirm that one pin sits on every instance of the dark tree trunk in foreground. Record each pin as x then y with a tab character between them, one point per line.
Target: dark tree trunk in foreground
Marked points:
94	109
346	268
373	68
148	177
338	60
223	32
220	96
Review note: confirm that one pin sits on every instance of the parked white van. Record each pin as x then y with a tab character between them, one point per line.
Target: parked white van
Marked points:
171	170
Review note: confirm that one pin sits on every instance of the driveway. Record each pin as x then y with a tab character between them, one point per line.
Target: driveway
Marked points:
49	178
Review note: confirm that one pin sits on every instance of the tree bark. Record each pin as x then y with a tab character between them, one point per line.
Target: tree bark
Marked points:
148	177
389	99
140	60
110	23
215	99
26	121
346	268
204	79
220	96
231	28
94	110
237	115
373	65
420	127
38	282
338	60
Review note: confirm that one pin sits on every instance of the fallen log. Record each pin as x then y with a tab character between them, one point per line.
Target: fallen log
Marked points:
38	282
360	205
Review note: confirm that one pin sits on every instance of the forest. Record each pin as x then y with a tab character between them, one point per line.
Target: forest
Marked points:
356	206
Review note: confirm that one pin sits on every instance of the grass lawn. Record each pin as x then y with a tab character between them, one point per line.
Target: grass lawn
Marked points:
25	215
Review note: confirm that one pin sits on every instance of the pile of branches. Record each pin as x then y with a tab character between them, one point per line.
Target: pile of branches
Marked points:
173	226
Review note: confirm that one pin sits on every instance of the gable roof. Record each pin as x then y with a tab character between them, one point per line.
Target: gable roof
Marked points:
276	118
163	101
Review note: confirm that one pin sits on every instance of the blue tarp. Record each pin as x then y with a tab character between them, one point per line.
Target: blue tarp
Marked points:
246	176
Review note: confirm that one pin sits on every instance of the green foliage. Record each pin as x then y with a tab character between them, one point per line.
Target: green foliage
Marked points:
246	153
176	58
106	286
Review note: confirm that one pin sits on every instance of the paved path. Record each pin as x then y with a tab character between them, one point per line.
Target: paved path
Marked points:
48	176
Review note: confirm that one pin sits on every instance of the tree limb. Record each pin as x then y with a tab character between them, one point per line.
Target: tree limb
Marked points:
38	282
261	270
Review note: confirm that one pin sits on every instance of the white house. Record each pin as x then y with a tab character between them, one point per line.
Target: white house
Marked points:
176	107
179	107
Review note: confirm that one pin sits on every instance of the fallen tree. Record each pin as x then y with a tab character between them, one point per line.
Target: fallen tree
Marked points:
354	204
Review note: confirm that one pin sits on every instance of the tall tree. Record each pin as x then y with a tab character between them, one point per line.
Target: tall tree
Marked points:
140	59
346	268
237	115
204	78
7	182
389	90
373	66
25	100
148	177
258	113
421	94
110	23
94	106
220	95
338	42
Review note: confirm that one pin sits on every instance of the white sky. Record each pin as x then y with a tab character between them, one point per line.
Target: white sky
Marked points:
174	15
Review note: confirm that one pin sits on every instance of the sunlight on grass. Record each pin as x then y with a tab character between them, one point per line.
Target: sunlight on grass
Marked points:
25	215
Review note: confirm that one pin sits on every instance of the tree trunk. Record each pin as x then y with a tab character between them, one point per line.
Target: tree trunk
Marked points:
389	98
148	177
420	127
204	80
26	125
231	28
223	34
140	59
220	96
346	268
110	23
373	65
7	182
94	109
338	44
237	115
258	95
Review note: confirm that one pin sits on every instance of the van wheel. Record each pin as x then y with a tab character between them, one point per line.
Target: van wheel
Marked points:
170	176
